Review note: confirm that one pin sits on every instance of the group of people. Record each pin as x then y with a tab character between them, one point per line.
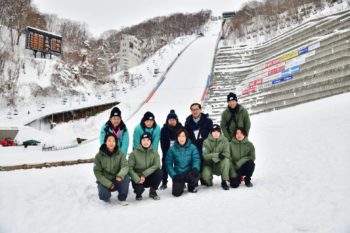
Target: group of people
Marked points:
191	153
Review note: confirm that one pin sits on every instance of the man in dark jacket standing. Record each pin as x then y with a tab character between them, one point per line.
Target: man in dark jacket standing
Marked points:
198	126
234	116
167	139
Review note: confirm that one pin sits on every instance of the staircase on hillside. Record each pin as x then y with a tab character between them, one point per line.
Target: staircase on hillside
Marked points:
309	62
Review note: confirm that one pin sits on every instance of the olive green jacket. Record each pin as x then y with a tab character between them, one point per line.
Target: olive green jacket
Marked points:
108	167
241	120
241	152
213	147
143	162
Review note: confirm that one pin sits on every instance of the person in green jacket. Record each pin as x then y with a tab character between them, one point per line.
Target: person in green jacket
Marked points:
216	156
111	169
234	116
144	168
243	156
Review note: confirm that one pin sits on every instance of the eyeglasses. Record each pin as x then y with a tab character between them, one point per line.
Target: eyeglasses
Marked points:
195	109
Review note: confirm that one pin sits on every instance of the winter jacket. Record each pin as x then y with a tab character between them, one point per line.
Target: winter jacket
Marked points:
241	152
168	136
121	132
213	147
240	118
199	131
143	162
107	166
182	159
154	131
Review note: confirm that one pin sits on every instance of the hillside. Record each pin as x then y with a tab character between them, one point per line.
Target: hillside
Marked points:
86	61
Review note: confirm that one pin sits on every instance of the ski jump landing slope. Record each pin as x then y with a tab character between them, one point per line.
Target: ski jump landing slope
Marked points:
185	83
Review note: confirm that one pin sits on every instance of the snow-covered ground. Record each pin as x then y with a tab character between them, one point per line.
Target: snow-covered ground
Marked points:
300	185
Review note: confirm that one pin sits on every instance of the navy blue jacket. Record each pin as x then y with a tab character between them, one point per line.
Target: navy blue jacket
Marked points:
199	131
168	137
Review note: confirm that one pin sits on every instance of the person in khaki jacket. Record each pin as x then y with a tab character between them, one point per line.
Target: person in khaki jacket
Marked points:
111	169
144	168
243	156
217	160
234	116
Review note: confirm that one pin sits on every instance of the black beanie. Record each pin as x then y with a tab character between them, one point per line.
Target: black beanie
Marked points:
172	115
216	127
146	135
148	116
116	112
231	96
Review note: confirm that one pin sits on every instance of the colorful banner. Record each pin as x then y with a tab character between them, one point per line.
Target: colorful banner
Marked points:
206	88
264	85
249	90
255	83
290	71
280	70
289	55
276	70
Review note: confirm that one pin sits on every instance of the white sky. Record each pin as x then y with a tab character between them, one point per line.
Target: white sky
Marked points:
103	15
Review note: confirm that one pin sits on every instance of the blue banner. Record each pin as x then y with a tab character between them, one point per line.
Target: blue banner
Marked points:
303	51
295	69
277	81
290	71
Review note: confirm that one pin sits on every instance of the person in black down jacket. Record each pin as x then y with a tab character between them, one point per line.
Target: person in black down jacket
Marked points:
167	139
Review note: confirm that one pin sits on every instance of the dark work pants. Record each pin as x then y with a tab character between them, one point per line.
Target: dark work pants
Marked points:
178	185
121	186
246	170
151	181
165	173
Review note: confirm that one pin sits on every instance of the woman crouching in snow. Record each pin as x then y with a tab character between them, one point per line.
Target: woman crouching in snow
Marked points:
111	169
183	163
243	156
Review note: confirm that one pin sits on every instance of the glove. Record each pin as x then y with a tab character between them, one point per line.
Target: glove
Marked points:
178	178
195	173
221	156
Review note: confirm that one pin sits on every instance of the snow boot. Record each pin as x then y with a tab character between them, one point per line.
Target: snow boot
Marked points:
138	197
123	203
163	186
235	182
248	183
192	190
224	185
153	194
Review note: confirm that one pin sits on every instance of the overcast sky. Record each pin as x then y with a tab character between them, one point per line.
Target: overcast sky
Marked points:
103	15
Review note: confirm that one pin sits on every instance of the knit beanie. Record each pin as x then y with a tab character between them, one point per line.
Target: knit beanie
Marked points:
116	112
231	96
172	115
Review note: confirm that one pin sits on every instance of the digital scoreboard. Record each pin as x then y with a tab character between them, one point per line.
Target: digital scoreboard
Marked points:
43	41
